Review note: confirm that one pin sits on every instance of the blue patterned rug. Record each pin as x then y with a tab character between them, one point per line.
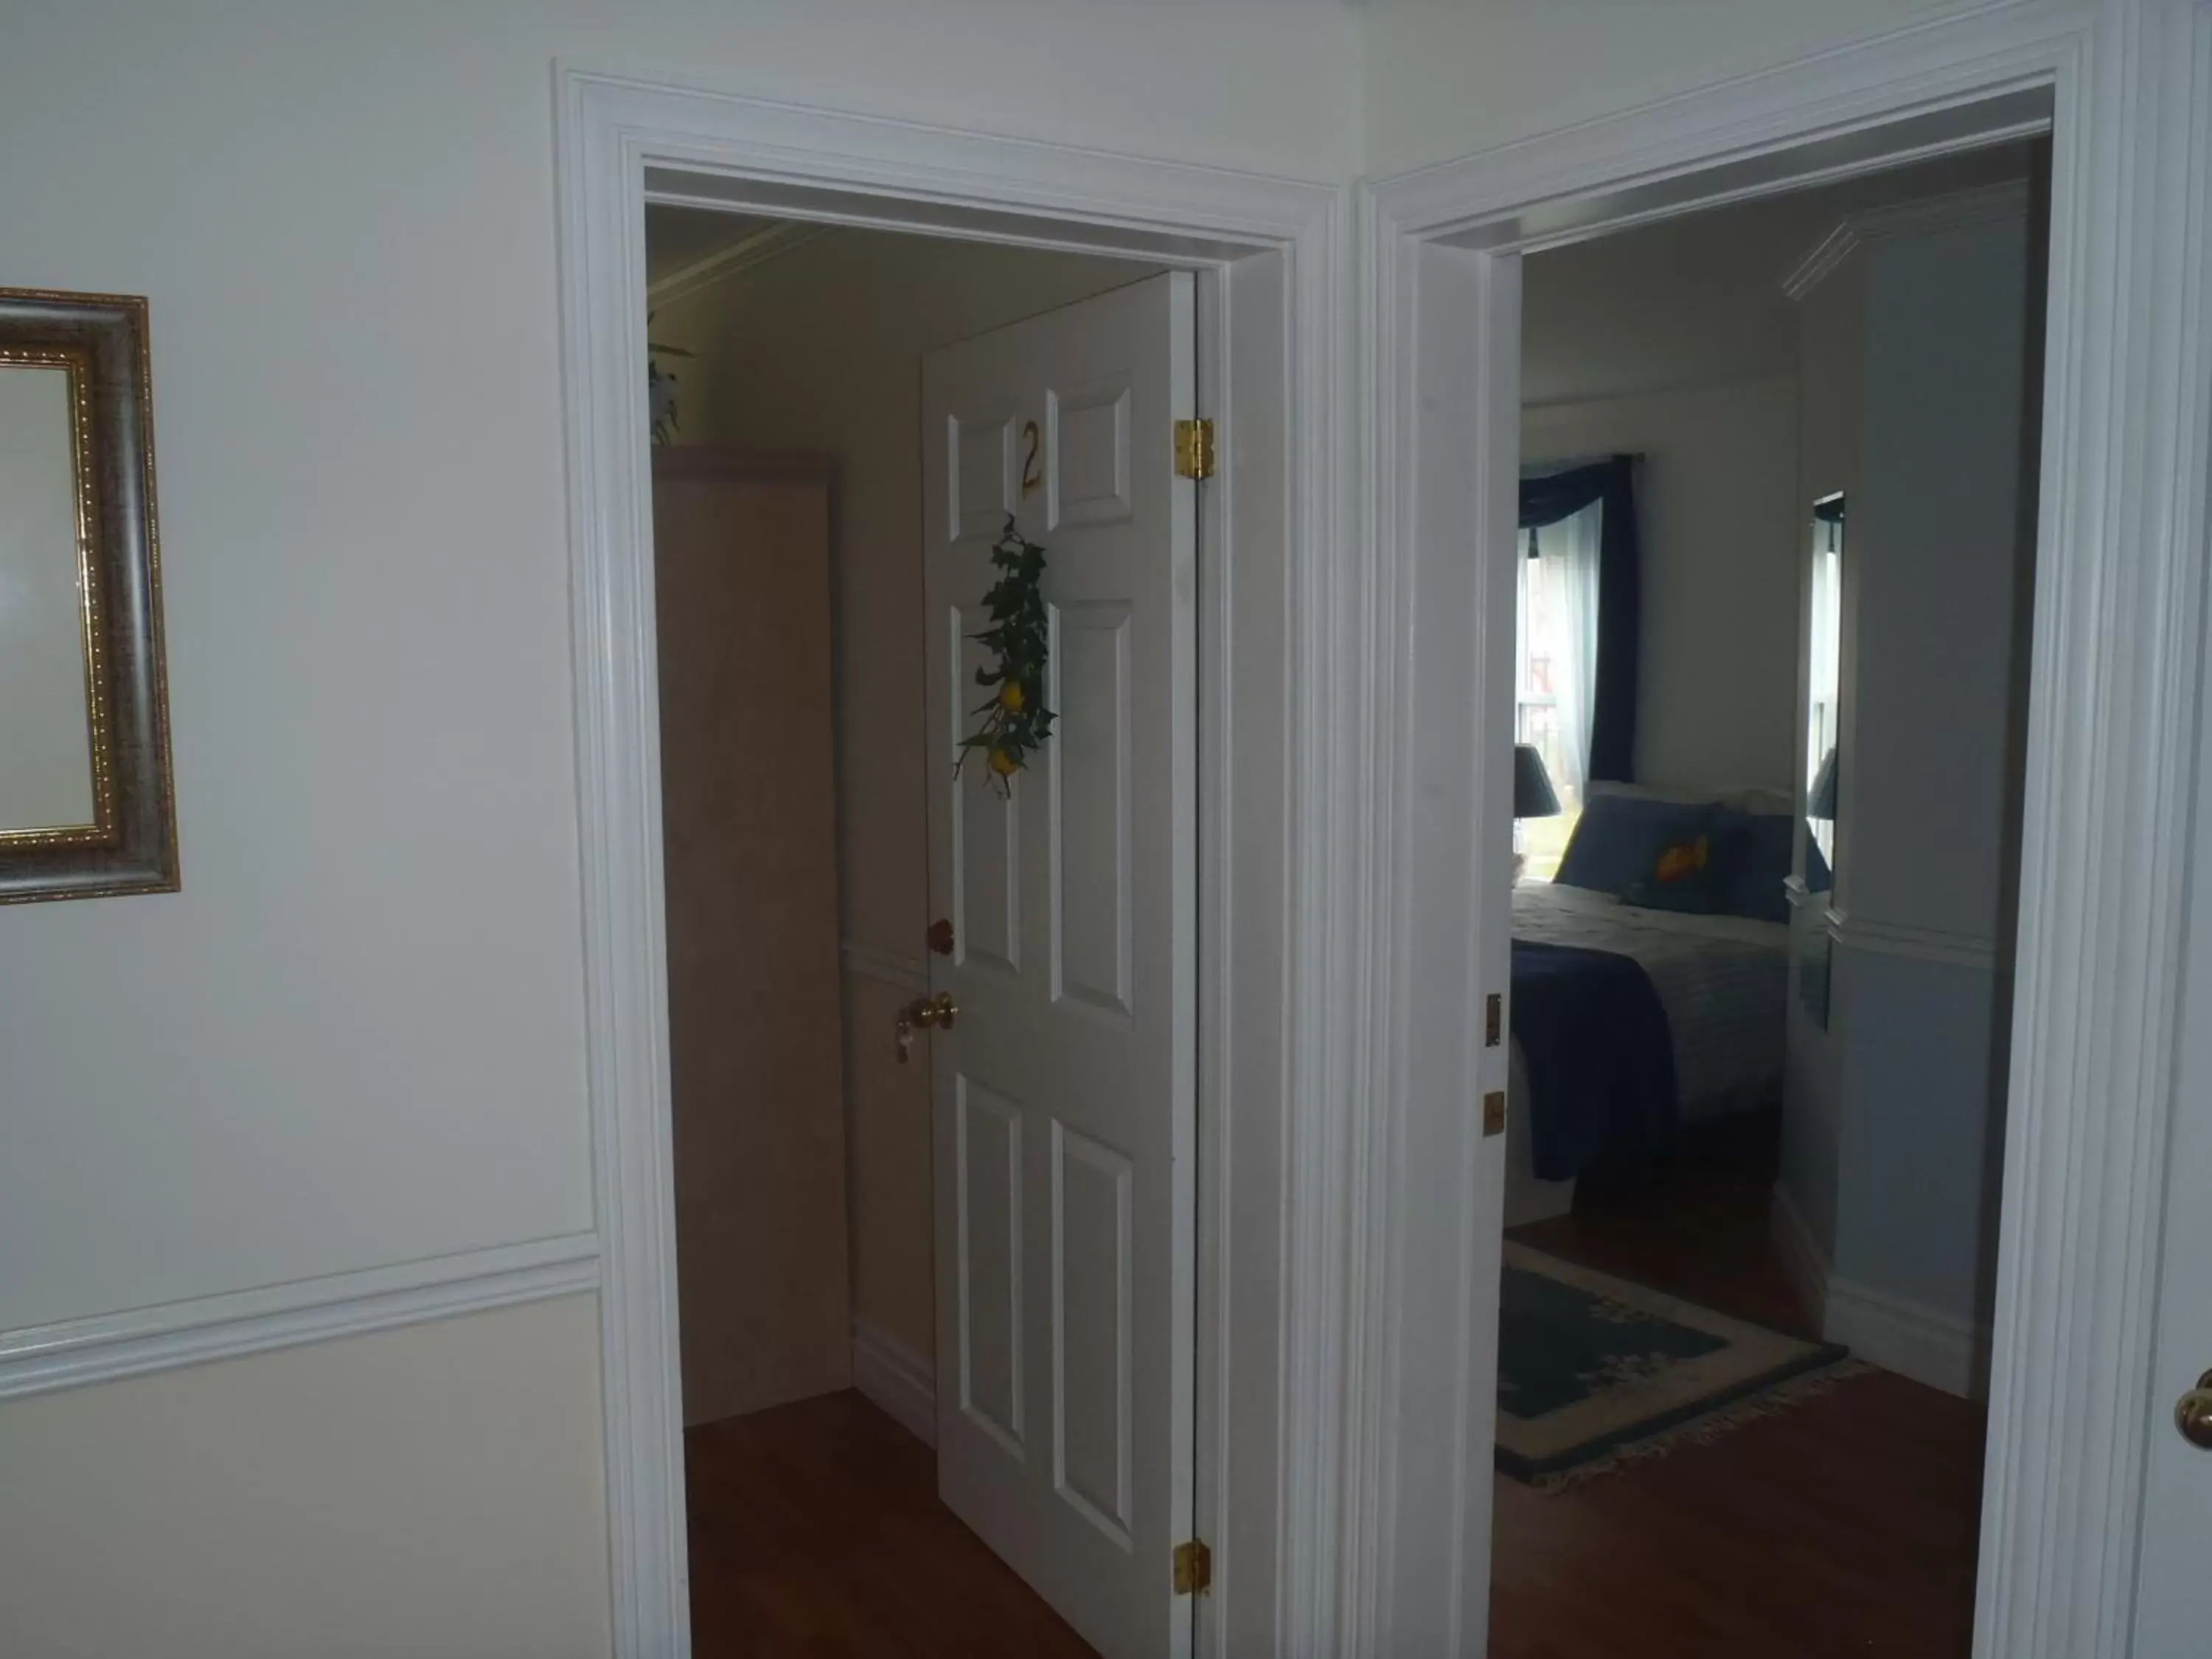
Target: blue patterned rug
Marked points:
1594	1372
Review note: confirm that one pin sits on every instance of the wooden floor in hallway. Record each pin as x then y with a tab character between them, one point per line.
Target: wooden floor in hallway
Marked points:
1843	1528
817	1534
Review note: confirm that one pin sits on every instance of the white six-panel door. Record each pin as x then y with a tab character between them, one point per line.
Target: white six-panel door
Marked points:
1064	1092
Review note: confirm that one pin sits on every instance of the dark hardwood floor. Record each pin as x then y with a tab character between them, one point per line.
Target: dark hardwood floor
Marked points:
1846	1525
816	1534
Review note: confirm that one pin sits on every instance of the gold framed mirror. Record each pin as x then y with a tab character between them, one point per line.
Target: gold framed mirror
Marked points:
86	801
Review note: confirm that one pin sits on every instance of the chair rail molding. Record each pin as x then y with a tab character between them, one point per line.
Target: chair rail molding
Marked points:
1894	938
1273	1038
872	962
2124	86
72	1352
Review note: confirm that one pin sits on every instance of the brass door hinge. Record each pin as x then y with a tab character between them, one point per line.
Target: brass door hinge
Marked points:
1193	1569
1193	442
1493	1113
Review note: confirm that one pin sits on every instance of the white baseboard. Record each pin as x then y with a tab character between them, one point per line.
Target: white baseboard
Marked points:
107	1346
899	1380
1804	1263
1925	1344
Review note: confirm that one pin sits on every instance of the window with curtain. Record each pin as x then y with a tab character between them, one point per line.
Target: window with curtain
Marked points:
1557	659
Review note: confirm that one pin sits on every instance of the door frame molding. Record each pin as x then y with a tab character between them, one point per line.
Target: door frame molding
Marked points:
2113	713
1273	256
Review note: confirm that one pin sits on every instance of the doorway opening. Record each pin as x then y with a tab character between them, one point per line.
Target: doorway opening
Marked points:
1263	255
1774	567
1451	248
932	1006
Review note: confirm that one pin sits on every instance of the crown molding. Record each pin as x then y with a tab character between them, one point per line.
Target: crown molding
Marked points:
37	1359
1984	204
723	263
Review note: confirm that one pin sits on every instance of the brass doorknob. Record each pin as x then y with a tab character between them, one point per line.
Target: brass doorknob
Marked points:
923	1012
2193	1416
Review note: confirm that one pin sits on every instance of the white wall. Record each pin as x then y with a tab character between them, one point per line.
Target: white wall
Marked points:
1443	77
1716	510
355	1037
1918	343
819	352
1927	791
1933	545
434	1490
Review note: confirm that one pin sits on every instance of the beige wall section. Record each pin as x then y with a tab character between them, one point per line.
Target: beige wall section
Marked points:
1447	77
433	1490
750	874
819	351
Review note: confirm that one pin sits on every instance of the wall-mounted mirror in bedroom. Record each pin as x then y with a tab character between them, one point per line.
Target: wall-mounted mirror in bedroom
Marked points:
1824	699
86	806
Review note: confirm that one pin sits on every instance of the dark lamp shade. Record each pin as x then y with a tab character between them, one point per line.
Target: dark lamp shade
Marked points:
1820	802
1532	785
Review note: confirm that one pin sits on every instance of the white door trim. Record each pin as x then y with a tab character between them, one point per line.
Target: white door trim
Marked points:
1272	1273
2119	629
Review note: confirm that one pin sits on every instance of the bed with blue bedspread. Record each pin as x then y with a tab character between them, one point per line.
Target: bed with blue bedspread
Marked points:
1642	1007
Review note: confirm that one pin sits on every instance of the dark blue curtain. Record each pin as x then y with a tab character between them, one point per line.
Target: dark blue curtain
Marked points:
1553	496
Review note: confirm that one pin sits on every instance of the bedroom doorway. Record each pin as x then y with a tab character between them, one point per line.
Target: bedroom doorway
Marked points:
1773	578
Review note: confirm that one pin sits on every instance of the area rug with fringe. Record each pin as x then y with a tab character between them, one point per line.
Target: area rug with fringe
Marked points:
1594	1372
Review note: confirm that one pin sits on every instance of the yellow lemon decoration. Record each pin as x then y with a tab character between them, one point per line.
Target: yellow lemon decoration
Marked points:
1014	723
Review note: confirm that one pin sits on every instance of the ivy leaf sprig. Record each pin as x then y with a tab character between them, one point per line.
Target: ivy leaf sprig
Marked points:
660	387
1015	721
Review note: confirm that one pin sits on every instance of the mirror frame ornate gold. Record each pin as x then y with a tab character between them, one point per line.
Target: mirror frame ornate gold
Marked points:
130	846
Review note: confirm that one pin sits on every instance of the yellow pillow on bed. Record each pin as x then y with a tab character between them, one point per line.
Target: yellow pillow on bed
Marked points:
1684	861
1681	879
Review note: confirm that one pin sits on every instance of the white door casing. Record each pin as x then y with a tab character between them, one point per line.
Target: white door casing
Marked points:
2082	1451
1064	1093
2173	1611
1274	272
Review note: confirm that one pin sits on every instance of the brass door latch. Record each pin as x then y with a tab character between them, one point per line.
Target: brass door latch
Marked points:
922	1011
1194	1568
2193	1416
